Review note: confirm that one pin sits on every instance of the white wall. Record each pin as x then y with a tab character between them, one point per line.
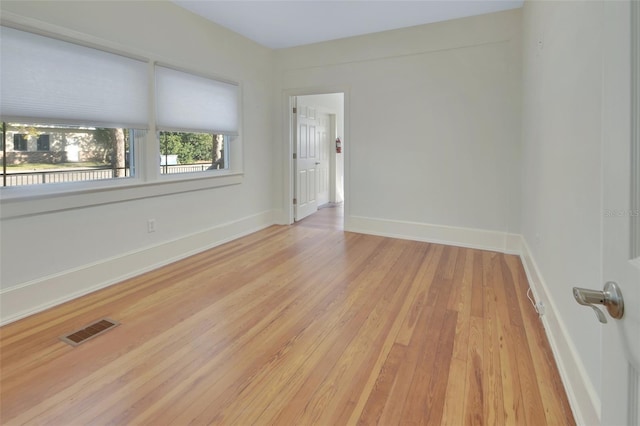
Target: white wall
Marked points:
561	182
433	126
49	257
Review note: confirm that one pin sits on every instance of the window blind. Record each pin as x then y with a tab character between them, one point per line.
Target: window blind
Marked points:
191	103
50	81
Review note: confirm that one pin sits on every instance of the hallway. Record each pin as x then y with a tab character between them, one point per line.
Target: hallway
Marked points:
329	216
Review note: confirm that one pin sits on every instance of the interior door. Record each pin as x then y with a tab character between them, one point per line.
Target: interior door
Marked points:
621	215
324	145
306	161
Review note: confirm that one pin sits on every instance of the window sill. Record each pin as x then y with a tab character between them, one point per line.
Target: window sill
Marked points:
39	199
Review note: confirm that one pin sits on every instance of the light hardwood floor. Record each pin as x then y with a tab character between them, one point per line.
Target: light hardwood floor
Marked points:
295	325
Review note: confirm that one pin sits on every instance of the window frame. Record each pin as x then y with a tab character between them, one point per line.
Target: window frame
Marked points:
37	199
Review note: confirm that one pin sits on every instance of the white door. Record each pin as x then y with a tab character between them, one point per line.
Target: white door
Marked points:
621	216
324	145
306	161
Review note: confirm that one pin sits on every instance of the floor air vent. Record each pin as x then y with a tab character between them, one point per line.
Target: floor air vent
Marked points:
89	332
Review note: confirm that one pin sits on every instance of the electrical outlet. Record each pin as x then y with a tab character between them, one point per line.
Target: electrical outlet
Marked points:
540	308
151	225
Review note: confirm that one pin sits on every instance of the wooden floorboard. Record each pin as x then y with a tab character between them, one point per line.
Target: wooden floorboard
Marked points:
295	325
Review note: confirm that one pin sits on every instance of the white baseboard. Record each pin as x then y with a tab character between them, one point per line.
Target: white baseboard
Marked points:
582	396
279	217
448	235
37	295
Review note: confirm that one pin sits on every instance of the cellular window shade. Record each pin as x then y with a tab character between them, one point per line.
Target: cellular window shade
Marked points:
46	80
191	103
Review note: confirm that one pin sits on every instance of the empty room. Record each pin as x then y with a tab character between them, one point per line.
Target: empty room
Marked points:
320	212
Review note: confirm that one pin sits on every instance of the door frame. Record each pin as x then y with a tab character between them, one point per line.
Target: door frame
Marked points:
288	97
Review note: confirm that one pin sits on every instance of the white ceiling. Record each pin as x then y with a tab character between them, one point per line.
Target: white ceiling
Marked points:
279	24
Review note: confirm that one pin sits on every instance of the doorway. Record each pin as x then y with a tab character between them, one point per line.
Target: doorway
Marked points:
317	165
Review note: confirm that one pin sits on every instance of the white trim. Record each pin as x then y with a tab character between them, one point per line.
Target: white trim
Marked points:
16	204
440	234
635	132
288	175
35	296
583	398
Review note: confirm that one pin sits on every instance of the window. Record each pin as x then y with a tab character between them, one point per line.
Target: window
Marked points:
77	113
69	154
43	143
183	152
194	139
78	110
20	142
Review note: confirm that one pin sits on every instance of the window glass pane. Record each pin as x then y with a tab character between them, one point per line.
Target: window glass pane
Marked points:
41	154
182	152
